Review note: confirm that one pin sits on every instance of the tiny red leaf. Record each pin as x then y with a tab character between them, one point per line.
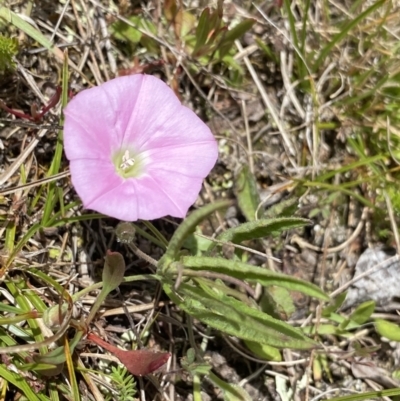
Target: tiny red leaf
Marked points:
137	362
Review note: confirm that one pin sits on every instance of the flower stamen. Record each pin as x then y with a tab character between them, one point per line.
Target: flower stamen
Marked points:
126	161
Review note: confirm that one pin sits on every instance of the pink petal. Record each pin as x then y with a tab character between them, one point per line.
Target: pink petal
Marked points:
147	199
156	105
129	200
96	118
93	179
183	159
181	127
166	194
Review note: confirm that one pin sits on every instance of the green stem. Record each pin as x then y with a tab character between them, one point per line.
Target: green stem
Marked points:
156	233
96	286
196	388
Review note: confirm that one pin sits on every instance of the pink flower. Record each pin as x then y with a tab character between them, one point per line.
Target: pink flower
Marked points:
135	151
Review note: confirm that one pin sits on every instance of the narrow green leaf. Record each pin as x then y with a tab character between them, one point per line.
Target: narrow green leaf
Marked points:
344	32
261	229
247	193
236	391
19	382
368	395
235	318
202	30
215	20
20	23
71	373
64	86
252	273
113	275
363	312
337	303
27	236
231	392
53	358
364	161
40	367
14	19
388	329
231	35
264	351
57	356
238	30
186	228
10	236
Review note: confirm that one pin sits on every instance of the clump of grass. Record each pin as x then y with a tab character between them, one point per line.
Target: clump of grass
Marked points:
8	50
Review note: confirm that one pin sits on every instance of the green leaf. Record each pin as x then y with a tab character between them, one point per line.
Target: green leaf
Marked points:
363	312
238	30
285	208
232	34
186	228
343	33
57	356
19	382
53	316
277	302
20	23
202	30
238	392
231	392
368	395
337	303
54	358
194	367
322	329
251	273
197	245
237	319
261	228
247	193
113	272
264	351
113	275
132	31
126	32
14	19
388	329
42	367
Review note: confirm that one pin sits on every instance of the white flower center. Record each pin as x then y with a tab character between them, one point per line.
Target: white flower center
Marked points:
126	161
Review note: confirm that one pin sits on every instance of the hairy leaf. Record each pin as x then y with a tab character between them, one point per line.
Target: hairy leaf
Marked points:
235	318
247	193
262	228
186	228
251	273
